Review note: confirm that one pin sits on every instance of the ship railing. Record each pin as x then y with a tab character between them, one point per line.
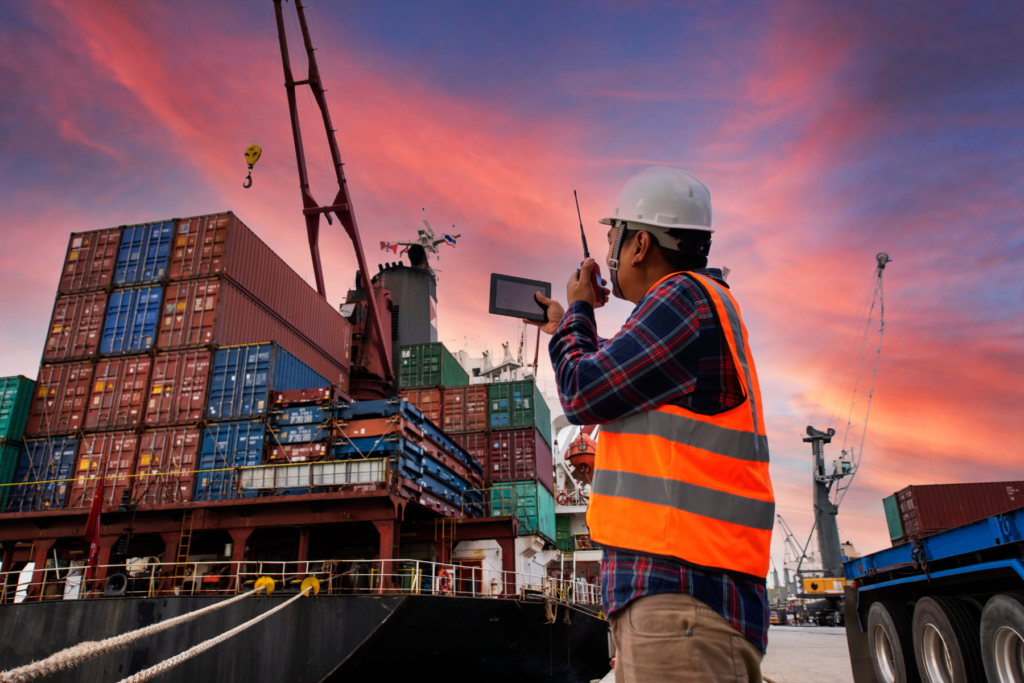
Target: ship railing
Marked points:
146	577
572	497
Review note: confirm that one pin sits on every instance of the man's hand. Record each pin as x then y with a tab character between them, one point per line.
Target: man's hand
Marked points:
555	313
580	287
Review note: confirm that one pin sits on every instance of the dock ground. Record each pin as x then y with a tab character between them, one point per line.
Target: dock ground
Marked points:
802	654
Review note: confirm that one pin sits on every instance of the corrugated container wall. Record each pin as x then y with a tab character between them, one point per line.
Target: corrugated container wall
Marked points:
131	321
142	256
221	244
429	402
520	454
528	501
518	405
15	399
465	409
243	377
61	396
118	399
8	464
226	446
929	509
110	455
477	444
178	387
76	327
166	466
429	365
43	460
89	263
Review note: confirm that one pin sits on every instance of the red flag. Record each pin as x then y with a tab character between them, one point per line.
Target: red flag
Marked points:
92	530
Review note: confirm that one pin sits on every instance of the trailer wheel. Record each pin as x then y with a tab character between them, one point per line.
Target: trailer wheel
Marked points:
1002	639
891	644
946	642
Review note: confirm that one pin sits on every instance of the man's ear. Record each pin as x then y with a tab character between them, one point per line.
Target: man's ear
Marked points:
642	246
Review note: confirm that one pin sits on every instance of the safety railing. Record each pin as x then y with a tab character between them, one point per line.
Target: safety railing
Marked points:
572	498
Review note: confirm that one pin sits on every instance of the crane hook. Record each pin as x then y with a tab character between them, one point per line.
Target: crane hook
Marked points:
252	155
247	183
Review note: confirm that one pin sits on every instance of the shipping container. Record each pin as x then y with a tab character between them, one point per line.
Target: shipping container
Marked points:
166	466
299	397
428	401
143	253
528	501
61	396
118	399
381	408
110	455
225	447
518	405
892	518
300	415
520	454
243	378
447	444
15	400
131	321
9	451
929	509
89	262
178	387
48	462
220	244
298	433
297	452
76	327
477	444
563	531
429	365
465	409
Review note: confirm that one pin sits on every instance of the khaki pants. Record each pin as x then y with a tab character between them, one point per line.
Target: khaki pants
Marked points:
672	637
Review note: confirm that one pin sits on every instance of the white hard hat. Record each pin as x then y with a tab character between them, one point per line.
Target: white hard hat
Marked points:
666	198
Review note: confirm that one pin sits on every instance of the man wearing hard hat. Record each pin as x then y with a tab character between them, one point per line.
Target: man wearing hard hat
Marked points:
681	502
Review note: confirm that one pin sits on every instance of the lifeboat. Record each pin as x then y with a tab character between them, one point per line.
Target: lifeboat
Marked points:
581	455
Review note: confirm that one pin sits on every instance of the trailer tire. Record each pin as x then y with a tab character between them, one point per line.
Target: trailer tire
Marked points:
891	644
1002	638
946	642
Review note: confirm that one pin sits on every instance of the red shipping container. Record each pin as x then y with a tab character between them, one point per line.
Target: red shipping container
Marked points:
221	244
465	409
110	455
177	389
520	454
297	452
929	509
61	398
215	311
297	397
75	327
118	399
427	400
477	444
89	262
166	466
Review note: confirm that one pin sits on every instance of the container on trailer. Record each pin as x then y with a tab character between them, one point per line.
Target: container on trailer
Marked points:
76	327
60	399
110	455
300	397
9	451
892	518
465	409
225	447
243	378
428	401
296	452
89	261
131	321
929	509
520	454
178	387
528	501
118	398
166	465
429	365
15	400
477	444
220	244
299	415
48	462
518	405
143	253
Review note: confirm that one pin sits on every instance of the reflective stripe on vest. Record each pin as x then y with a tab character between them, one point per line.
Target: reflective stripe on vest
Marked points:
676	483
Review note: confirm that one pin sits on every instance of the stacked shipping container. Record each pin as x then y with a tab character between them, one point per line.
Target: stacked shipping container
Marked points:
15	397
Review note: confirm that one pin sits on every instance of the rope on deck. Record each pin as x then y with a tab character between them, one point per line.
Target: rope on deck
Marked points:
75	655
168	664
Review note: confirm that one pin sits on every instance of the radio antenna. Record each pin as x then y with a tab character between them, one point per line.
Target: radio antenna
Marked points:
586	252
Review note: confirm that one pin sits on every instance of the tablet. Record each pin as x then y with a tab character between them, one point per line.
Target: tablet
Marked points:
513	296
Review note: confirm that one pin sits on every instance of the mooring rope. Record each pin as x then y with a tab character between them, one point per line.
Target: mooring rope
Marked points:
73	656
168	664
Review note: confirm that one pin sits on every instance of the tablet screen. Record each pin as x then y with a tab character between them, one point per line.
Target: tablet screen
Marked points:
514	296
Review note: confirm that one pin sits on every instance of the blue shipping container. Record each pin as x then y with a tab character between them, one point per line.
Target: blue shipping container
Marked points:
143	254
43	460
243	377
131	320
388	407
299	434
225	446
449	445
302	415
406	457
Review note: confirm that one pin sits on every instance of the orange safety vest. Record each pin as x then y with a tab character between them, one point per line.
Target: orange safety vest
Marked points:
679	484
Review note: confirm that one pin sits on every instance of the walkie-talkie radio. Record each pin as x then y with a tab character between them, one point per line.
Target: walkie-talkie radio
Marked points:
600	298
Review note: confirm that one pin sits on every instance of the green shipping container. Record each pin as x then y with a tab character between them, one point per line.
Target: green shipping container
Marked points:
530	503
563	529
519	405
429	365
892	517
15	398
8	461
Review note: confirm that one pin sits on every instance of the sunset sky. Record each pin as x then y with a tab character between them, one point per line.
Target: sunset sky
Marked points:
826	132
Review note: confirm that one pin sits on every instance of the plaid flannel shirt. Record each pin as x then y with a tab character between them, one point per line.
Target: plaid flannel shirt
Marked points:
670	351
